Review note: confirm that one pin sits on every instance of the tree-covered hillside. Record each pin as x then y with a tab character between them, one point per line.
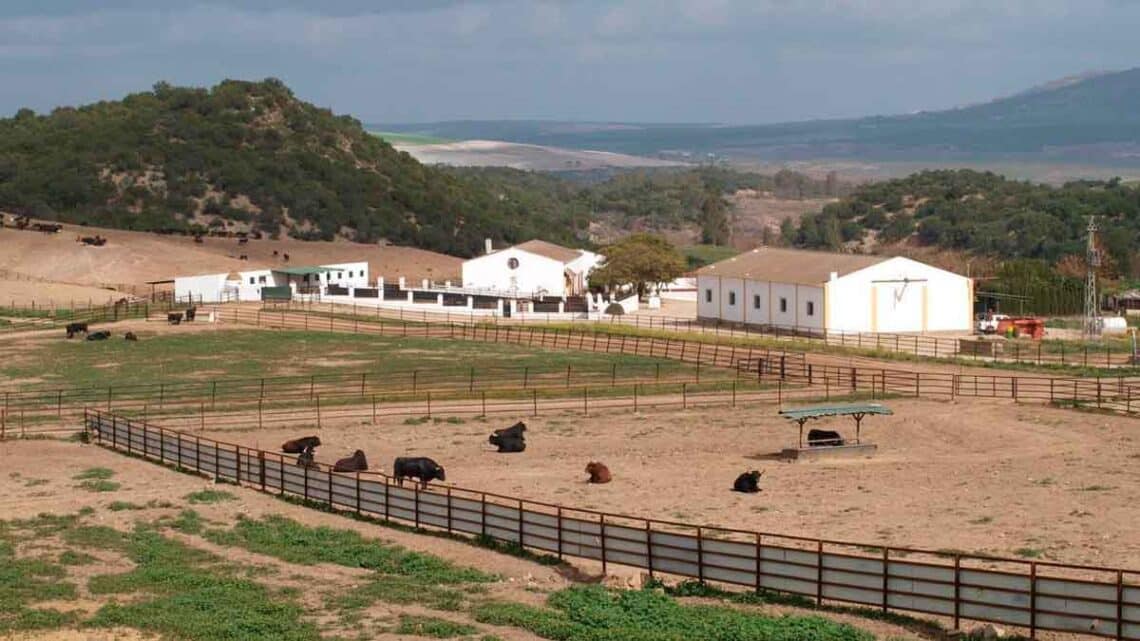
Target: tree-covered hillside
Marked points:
251	155
985	214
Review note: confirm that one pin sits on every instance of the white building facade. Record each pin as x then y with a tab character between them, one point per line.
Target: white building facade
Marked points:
822	292
533	268
247	285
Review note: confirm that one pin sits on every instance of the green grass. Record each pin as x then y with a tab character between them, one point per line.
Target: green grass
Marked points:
700	255
25	582
596	614
1029	553
120	506
217	356
94	473
396	138
188	522
189	594
433	627
71	557
209	496
99	486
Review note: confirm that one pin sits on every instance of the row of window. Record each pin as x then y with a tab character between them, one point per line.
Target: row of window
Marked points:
756	302
328	276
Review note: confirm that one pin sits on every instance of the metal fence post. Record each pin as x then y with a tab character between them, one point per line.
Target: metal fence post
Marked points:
602	527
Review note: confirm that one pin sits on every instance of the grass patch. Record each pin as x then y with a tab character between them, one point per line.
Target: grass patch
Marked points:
1029	553
1096	488
209	496
432	627
94	474
188	522
25	582
120	506
187	594
596	614
71	557
99	486
982	520
35	482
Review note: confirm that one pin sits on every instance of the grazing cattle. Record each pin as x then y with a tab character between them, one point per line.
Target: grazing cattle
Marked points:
96	241
131	337
418	467
174	318
748	482
820	438
598	472
515	430
305	459
274	252
99	336
243	257
190	313
198	239
355	463
75	328
48	228
298	445
508	442
286	257
243	241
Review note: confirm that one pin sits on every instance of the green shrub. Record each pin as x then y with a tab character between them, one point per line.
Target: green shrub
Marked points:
99	486
94	473
119	506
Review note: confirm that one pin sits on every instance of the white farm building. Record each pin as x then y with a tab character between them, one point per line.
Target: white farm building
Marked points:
533	268
256	284
822	292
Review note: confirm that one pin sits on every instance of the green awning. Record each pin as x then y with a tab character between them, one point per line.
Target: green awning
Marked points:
301	271
820	411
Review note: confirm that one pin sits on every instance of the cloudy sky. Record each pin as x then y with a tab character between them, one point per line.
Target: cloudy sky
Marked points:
733	61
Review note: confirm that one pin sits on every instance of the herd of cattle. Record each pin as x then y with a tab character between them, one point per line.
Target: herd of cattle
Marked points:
102	335
422	468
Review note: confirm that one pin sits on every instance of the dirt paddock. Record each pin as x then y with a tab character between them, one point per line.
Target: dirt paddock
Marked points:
976	477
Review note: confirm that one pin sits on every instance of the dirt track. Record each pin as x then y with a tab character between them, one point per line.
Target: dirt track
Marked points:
978	477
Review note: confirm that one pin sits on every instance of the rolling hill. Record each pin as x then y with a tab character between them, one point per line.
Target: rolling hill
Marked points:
1093	119
247	156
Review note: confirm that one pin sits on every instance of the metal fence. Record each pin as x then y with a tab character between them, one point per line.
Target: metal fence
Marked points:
1041	352
1033	595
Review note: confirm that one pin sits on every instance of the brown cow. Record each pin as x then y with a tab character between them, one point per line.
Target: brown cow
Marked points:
355	463
298	445
598	472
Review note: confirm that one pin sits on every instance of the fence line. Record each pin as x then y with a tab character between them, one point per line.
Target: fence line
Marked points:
1034	595
1041	352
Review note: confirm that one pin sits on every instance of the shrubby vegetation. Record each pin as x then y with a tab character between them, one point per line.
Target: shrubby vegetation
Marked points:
984	213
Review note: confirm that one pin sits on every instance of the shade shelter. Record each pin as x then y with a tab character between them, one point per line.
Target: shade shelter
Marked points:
856	411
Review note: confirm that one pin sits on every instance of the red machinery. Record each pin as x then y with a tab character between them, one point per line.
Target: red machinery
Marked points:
1022	327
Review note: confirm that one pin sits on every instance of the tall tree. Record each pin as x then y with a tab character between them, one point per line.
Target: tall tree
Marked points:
715	229
639	261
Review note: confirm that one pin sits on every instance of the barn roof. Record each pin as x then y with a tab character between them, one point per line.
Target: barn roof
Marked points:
549	250
798	266
301	271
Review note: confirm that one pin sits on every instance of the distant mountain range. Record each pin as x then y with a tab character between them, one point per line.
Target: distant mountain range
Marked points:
1088	119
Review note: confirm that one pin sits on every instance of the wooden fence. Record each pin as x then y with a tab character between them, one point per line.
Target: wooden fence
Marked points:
1033	595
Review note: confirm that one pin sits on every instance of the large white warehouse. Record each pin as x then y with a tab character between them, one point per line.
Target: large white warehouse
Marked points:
829	292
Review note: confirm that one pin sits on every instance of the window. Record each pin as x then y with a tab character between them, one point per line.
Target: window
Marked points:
251	282
732	298
708	295
339	275
261	279
756	301
811	308
783	305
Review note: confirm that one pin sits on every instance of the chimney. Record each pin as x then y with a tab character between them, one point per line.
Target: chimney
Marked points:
487	246
834	275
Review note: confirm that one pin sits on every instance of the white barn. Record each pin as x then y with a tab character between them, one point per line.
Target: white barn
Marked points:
247	285
827	292
533	268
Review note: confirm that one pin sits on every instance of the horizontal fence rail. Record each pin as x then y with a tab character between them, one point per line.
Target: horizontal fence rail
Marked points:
1030	352
1032	595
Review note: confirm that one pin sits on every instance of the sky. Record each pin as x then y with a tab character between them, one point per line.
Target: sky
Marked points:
726	61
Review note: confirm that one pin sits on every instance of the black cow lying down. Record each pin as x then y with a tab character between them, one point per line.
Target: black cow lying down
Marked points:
748	482
75	328
515	430
508	443
822	438
298	445
355	463
99	336
130	336
419	467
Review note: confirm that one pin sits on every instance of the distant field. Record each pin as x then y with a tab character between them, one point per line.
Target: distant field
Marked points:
409	139
220	355
699	255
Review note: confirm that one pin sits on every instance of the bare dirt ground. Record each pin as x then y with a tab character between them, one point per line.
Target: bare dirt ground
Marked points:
23	293
754	211
29	488
976	477
133	258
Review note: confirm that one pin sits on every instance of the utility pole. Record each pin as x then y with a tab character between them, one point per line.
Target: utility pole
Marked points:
1092	263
